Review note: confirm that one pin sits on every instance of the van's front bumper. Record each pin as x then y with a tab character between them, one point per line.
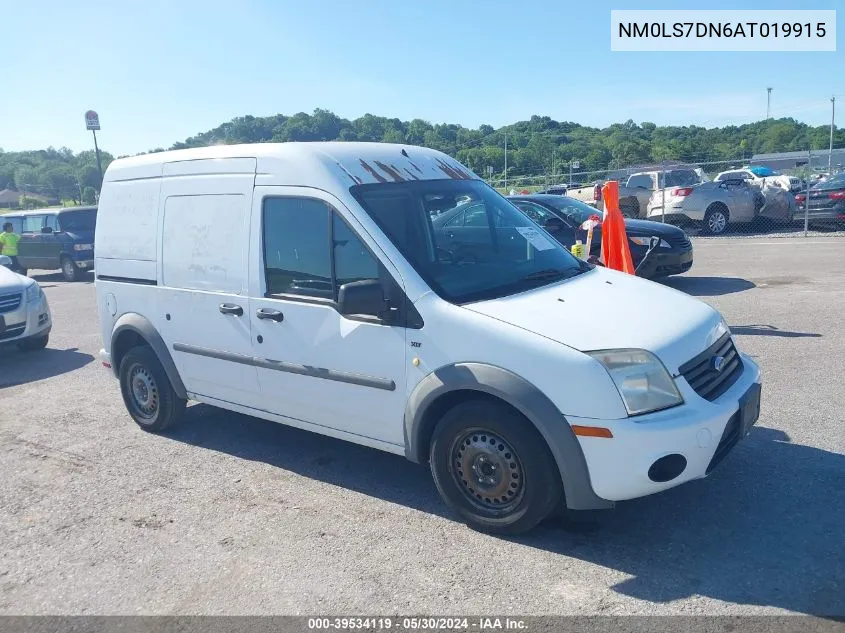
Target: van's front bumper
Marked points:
701	431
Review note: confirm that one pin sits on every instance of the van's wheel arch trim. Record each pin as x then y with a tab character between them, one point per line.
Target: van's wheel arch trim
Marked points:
453	384
143	328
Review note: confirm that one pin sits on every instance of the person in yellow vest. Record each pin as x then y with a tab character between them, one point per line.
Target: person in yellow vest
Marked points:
9	244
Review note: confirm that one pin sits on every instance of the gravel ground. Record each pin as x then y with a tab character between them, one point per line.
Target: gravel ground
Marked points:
228	514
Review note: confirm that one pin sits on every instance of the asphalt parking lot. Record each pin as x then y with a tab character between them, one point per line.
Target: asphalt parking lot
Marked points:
235	515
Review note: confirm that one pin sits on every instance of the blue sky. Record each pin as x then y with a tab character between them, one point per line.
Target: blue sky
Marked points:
159	71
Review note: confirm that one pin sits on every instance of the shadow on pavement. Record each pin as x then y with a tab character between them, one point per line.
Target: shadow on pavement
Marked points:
765	529
770	330
42	278
18	368
365	470
708	286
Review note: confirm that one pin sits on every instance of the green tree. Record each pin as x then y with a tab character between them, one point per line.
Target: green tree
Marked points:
89	195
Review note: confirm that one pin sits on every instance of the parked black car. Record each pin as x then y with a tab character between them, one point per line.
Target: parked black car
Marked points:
827	200
562	217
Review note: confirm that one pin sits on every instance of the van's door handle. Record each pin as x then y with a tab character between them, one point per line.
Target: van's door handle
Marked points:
231	308
273	315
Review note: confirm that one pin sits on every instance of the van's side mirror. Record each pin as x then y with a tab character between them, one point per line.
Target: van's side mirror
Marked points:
46	229
365	297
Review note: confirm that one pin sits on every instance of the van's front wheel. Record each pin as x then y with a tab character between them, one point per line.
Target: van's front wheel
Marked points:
493	469
69	270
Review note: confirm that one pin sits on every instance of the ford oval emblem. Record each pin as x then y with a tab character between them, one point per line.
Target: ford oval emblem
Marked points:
718	363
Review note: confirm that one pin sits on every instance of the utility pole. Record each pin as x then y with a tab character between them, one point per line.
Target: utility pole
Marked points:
506	160
768	103
832	118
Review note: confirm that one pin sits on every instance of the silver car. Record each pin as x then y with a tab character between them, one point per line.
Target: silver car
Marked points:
718	204
25	318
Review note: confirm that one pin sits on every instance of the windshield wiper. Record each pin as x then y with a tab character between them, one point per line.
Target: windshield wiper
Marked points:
547	274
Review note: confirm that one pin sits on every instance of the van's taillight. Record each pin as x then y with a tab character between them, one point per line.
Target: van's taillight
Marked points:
682	192
800	198
105	364
839	195
597	193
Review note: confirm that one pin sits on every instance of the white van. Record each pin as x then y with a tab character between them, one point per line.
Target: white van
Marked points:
305	283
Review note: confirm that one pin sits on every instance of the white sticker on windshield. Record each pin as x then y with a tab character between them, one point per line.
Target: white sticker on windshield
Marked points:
535	238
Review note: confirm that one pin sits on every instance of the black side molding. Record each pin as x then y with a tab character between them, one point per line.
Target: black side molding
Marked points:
128	280
292	368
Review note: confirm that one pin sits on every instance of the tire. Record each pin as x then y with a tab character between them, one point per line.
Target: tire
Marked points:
147	393
630	209
34	344
509	461
716	219
69	270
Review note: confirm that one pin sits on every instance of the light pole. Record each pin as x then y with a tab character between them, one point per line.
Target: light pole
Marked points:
506	160
768	103
830	150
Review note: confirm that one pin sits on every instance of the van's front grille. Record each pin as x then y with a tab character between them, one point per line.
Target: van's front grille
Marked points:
715	370
10	302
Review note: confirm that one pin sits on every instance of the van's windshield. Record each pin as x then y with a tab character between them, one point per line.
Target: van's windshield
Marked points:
465	240
82	220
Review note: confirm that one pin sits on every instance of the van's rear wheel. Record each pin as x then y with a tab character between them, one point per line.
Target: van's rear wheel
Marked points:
147	393
69	270
493	469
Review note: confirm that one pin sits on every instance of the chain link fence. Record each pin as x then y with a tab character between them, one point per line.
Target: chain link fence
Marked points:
747	196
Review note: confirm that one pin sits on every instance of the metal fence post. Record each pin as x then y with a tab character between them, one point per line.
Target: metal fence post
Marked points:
807	199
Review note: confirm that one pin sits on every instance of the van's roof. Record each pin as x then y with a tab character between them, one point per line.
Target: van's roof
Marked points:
309	163
43	210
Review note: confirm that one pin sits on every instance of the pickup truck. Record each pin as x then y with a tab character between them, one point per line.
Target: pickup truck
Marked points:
635	193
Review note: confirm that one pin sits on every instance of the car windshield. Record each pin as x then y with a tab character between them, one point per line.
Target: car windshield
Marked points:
579	212
834	182
82	220
682	178
481	249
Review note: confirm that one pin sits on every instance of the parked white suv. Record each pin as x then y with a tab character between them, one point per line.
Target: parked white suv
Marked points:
305	283
24	314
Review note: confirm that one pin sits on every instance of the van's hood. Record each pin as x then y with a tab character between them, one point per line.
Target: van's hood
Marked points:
604	309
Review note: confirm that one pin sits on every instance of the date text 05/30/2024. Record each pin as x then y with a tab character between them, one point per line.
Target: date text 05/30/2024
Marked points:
417	624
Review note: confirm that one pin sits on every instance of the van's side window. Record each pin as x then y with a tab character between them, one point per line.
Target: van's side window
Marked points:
33	223
303	238
53	222
297	259
352	260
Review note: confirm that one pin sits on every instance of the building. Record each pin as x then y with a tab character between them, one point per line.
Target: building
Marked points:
10	199
817	160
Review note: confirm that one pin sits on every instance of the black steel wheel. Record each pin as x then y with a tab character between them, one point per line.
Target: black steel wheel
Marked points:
147	393
493	469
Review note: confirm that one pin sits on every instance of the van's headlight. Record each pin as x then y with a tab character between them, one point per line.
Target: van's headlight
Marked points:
33	293
83	247
641	379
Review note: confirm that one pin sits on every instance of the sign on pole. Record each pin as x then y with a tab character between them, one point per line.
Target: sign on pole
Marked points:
489	171
576	164
92	120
